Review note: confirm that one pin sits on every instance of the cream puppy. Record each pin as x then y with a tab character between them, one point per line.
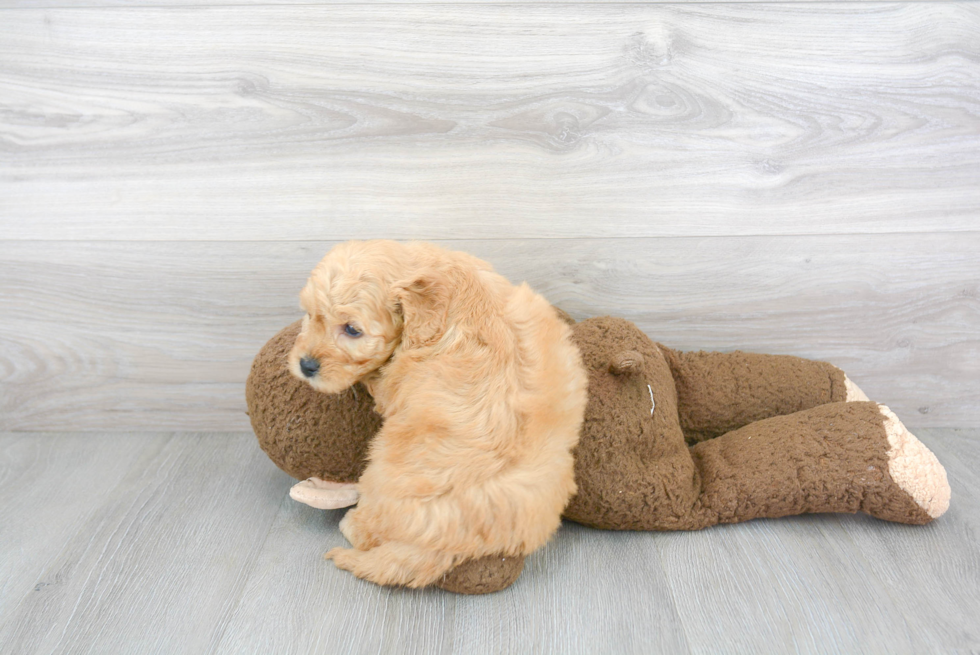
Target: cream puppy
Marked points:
482	394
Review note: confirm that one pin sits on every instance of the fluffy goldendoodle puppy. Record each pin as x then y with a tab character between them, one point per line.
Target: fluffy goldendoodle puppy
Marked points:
482	394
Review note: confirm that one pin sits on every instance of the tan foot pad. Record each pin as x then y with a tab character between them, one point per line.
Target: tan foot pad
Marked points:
854	393
323	494
914	468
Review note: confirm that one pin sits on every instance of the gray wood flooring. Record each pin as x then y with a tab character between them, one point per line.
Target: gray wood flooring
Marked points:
188	543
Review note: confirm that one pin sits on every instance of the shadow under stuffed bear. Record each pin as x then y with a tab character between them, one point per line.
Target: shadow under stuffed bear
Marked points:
670	441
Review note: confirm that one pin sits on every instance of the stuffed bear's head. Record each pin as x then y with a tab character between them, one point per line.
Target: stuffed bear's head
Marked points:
305	432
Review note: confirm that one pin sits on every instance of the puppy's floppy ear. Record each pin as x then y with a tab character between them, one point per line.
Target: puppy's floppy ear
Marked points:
423	301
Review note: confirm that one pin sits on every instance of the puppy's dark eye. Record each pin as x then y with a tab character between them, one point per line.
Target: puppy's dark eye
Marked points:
351	330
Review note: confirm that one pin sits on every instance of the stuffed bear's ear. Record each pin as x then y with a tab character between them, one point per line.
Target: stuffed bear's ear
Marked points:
423	302
626	362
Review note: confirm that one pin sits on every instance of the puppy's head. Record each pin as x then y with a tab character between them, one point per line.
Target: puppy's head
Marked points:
359	308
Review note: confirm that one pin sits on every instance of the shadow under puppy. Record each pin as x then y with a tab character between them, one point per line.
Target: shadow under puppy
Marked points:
482	394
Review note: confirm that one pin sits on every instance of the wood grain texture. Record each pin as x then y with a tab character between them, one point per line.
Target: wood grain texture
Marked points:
158	564
560	605
50	486
198	549
161	335
425	121
945	619
770	589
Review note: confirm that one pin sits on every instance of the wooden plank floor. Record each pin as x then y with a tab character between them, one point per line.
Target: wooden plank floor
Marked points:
188	543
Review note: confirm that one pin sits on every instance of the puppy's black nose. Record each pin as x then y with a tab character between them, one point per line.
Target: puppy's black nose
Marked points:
309	366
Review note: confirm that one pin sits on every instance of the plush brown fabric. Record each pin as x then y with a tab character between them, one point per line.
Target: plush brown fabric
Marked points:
831	458
721	392
632	468
636	472
483	576
307	434
772	439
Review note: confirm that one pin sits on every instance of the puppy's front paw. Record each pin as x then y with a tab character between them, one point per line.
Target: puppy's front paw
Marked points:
355	533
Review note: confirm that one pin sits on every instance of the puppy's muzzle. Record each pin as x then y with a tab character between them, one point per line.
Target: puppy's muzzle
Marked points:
309	366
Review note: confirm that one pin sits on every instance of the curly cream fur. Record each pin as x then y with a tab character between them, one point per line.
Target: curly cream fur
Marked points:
482	392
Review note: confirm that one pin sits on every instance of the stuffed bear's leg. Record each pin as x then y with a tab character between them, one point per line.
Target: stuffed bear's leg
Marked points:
721	392
839	457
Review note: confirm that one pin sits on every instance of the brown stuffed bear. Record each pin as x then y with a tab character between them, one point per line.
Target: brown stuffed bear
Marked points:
670	441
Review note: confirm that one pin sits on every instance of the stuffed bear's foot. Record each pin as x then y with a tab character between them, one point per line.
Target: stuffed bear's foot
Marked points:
323	494
484	575
854	393
914	468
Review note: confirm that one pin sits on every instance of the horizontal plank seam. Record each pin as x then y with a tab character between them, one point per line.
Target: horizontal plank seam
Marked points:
518	238
542	3
141	434
184	433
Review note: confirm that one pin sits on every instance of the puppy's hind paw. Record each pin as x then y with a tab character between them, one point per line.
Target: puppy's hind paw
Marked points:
334	552
346	559
392	563
354	533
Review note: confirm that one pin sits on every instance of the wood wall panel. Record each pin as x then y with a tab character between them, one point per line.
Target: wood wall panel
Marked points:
416	121
139	335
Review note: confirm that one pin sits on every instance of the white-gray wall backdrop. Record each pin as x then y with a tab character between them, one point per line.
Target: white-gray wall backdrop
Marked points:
798	178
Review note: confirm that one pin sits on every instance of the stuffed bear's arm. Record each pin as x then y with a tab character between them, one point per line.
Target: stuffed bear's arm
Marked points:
720	392
323	494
